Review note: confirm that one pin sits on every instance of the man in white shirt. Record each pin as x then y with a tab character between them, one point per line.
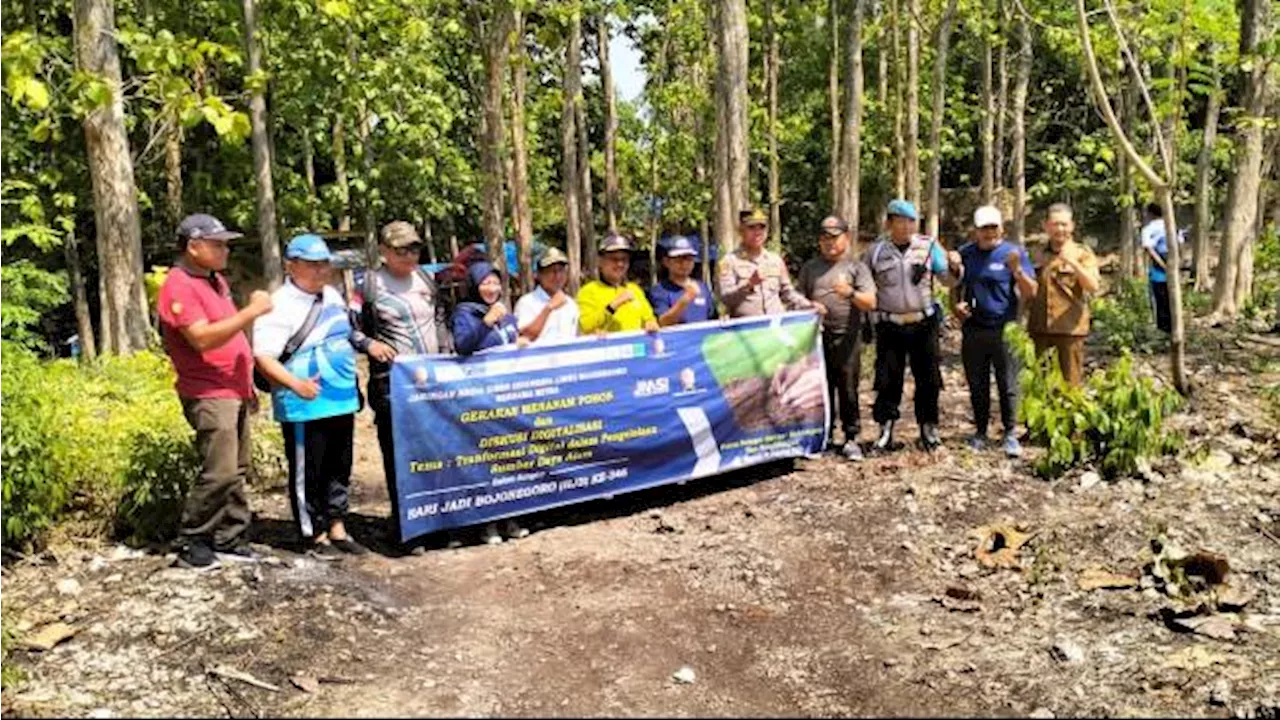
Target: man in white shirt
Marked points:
548	313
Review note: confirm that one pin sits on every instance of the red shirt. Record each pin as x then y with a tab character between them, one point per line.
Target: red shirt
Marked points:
223	372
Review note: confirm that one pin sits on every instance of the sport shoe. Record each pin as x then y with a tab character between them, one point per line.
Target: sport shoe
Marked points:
349	546
198	555
240	552
885	441
978	443
514	531
929	436
490	535
324	551
1012	448
852	451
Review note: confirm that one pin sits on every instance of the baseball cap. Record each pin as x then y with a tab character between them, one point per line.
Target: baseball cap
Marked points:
902	208
680	246
987	216
834	225
754	216
615	242
399	234
308	247
204	227
553	256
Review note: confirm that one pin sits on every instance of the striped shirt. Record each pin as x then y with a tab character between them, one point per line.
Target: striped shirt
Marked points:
405	314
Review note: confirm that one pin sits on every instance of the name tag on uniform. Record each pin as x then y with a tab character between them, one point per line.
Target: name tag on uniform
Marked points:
700	301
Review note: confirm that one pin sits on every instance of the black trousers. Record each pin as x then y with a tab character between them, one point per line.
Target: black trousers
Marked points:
1160	301
983	349
319	454
843	355
380	403
896	347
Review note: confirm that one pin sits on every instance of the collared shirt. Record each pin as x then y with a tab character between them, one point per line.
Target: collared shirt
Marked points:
1061	306
818	280
326	354
775	295
989	286
189	296
904	275
593	302
665	294
561	324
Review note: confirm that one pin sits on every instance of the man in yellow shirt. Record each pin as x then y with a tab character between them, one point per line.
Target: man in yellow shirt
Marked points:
612	304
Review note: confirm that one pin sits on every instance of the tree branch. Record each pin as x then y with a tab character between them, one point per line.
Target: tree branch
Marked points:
1161	145
1104	104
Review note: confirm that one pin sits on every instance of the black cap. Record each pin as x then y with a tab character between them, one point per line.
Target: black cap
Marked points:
204	227
834	225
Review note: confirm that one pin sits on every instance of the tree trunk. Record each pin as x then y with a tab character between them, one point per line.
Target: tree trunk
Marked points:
495	43
612	192
1204	192
1126	112
913	102
586	198
173	172
833	96
428	239
79	296
941	46
851	144
882	58
125	320
340	171
1231	289
899	141
1162	186
520	159
309	172
731	120
1002	98
771	79
988	114
1019	215
569	152
370	219
272	267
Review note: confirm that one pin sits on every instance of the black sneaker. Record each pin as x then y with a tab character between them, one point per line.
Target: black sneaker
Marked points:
349	546
198	555
929	436
324	551
240	552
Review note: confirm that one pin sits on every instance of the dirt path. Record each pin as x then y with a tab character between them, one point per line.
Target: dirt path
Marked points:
818	589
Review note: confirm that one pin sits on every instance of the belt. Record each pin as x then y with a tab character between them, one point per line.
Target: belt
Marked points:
905	318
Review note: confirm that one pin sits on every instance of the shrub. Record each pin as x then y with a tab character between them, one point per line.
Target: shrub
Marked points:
104	442
1123	317
1113	421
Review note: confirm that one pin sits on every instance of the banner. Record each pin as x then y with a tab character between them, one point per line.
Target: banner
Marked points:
509	432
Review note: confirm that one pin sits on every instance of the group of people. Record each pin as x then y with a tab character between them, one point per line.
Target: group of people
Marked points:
306	336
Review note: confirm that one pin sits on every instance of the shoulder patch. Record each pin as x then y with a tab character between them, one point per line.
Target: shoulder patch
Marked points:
175	307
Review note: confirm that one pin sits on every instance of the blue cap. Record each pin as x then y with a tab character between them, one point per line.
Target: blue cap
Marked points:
680	246
903	208
308	247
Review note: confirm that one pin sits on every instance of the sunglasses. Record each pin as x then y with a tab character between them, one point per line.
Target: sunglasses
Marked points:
407	250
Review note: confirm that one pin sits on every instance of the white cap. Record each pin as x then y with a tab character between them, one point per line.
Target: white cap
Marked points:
987	215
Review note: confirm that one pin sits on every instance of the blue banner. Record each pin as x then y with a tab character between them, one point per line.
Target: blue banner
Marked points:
513	431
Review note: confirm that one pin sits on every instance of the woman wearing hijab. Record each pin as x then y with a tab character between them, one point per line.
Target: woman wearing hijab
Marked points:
479	323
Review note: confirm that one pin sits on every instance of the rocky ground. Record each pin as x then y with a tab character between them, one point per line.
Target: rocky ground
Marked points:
813	588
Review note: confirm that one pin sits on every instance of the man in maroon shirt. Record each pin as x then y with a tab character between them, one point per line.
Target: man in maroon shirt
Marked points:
204	336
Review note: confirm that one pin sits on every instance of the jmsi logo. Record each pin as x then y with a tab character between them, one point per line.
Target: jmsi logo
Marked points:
656	386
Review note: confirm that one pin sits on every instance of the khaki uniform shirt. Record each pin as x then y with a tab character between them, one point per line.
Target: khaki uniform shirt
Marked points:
1061	306
775	295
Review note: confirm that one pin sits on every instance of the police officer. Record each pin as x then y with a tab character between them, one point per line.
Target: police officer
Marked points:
753	280
903	266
